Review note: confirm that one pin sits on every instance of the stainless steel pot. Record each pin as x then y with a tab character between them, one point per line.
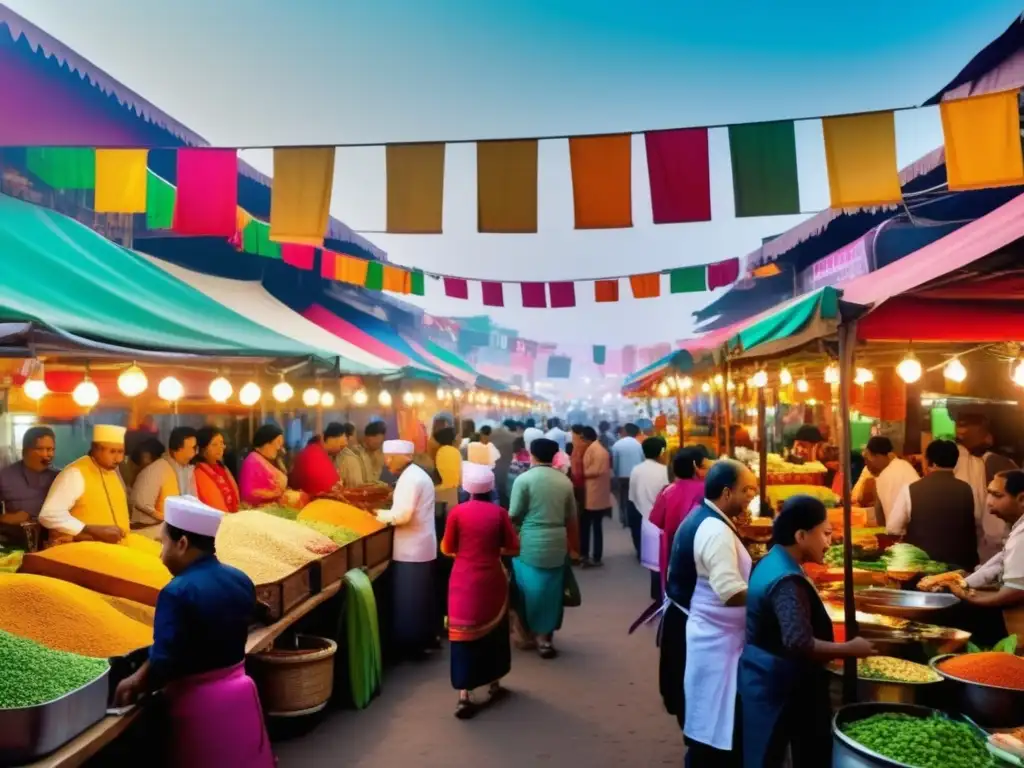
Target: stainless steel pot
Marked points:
990	706
903	603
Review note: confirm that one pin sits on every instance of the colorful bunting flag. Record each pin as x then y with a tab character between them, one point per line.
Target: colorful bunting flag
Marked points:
562	295
256	239
646	286
329	265
298	256
160	196
207	192
860	152
300	197
349	269
764	170
506	186
534	295
983	144
723	273
396	279
456	288
606	291
771	269
63	167
688	279
679	172
415	176
600	354
374	276
416	283
493	294
120	178
242	219
602	181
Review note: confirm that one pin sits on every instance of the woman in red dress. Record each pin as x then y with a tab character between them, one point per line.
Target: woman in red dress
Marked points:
214	483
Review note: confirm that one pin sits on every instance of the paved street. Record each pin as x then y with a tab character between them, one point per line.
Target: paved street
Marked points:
597	704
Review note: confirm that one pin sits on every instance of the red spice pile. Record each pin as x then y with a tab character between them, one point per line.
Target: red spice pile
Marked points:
989	668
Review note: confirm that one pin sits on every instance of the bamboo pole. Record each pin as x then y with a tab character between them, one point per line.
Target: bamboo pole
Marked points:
726	410
847	342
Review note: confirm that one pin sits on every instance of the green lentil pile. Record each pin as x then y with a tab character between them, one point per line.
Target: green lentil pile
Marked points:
31	674
288	513
923	742
339	534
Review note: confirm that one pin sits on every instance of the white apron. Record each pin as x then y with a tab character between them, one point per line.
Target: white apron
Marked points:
650	545
714	641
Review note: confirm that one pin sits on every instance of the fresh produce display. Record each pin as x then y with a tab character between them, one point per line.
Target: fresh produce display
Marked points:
922	742
273	537
123	562
10	560
988	668
32	674
339	534
907	558
1006	645
363	638
893	670
345	515
67	617
777	494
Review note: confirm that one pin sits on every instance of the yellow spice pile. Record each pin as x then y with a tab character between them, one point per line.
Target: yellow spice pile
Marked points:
112	559
67	617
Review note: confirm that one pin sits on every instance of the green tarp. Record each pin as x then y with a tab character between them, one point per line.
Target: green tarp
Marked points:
789	320
446	356
63	275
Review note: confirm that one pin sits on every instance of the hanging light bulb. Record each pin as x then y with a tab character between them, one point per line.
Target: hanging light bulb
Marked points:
863	376
250	394
1018	372
812	402
326	400
360	397
420	398
282	391
663	389
35	389
802	385
785	377
408	398
760	378
221	390
86	394
311	397
729	386
686	383
832	374
955	371
718	379
384	398
909	369
441	394
170	389
457	394
132	382
495	400
705	387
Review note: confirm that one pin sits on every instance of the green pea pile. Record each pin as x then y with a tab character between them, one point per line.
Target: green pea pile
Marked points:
923	742
32	674
339	534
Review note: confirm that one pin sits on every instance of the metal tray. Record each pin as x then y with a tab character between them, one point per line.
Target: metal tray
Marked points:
847	753
904	604
28	733
991	706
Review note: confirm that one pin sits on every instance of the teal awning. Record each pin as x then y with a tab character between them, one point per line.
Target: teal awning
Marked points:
58	273
790	324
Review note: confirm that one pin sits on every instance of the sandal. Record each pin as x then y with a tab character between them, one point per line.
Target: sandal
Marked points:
496	693
466	709
546	650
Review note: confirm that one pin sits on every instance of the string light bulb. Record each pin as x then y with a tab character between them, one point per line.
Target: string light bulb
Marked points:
1018	372
420	398
686	383
35	389
705	388
170	389
909	369
863	376
441	394
221	390
359	397
384	398
802	385
282	391
86	394
832	374
408	398
785	377
132	382
955	371
663	389
311	397
760	379
718	380
327	400
250	394
457	394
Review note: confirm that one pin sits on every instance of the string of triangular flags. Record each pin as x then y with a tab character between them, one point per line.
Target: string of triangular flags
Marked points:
981	135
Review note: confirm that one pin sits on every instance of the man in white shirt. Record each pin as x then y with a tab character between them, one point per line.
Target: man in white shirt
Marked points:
556	433
414	619
645	483
170	475
531	432
891	474
627	453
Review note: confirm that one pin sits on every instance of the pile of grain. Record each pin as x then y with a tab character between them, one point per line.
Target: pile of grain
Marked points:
268	548
122	562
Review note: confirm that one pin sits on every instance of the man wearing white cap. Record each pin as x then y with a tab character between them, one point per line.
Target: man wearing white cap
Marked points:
87	501
198	653
415	551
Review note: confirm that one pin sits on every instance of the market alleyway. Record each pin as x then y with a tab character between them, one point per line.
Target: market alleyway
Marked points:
597	704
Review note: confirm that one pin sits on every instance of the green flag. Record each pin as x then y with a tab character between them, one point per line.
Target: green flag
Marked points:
416	287
63	167
764	170
374	276
688	279
160	196
600	354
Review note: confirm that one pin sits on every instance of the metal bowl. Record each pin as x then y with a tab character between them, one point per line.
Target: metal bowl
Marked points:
888	692
990	706
847	753
904	604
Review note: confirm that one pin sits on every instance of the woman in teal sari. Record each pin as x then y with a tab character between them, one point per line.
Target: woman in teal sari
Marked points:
542	508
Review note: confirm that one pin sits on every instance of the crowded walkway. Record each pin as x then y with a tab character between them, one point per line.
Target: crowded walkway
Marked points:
597	704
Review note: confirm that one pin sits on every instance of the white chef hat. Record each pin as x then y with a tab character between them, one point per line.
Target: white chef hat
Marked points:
477	478
108	433
398	448
192	516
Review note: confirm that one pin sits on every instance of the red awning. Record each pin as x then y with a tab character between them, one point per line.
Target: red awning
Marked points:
907	318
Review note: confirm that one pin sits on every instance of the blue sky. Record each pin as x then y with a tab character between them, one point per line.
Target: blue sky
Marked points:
308	71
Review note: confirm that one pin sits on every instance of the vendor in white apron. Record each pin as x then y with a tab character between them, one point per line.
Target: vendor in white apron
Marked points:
708	577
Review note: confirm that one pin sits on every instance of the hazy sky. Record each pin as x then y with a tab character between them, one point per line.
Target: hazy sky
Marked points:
335	71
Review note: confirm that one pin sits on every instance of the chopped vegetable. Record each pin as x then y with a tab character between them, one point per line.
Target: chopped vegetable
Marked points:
922	742
988	668
31	674
889	669
67	617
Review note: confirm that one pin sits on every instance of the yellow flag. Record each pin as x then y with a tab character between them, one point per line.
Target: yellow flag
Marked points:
860	151
349	269
300	196
982	137
120	181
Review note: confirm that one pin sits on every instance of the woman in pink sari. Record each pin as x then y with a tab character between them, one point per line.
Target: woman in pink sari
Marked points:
261	480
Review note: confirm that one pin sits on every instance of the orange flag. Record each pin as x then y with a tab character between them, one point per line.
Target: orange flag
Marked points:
646	286
860	151
982	136
396	279
602	181
349	269
300	196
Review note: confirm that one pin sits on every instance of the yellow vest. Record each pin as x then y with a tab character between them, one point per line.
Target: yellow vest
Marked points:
169	487
104	501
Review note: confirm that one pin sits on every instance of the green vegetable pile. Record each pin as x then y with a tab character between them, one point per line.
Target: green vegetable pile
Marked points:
1006	645
32	674
907	557
923	742
10	560
277	510
339	534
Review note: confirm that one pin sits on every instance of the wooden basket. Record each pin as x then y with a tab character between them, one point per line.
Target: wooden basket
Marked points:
295	681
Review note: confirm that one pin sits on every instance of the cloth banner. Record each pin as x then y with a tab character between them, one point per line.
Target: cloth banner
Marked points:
606	291
256	239
63	167
456	288
506	186
601	181
160	196
723	273
349	269
562	295
300	197
329	265
298	256
645	286
397	280
207	192
679	173
860	152
764	170
688	279
982	136
374	276
415	180
534	295
493	294
416	283
559	367
121	180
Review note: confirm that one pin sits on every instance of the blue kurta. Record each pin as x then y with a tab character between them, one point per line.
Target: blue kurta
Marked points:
202	621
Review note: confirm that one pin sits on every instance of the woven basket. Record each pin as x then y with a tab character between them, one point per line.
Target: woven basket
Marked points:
295	680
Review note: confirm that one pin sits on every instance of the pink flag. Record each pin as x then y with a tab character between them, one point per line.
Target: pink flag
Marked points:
456	288
723	273
534	295
680	176
207	198
300	256
562	295
328	264
493	294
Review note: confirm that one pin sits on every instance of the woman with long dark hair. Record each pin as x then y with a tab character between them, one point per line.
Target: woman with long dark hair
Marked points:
214	483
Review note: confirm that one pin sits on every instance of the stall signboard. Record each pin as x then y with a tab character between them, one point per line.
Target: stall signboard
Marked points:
841	265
